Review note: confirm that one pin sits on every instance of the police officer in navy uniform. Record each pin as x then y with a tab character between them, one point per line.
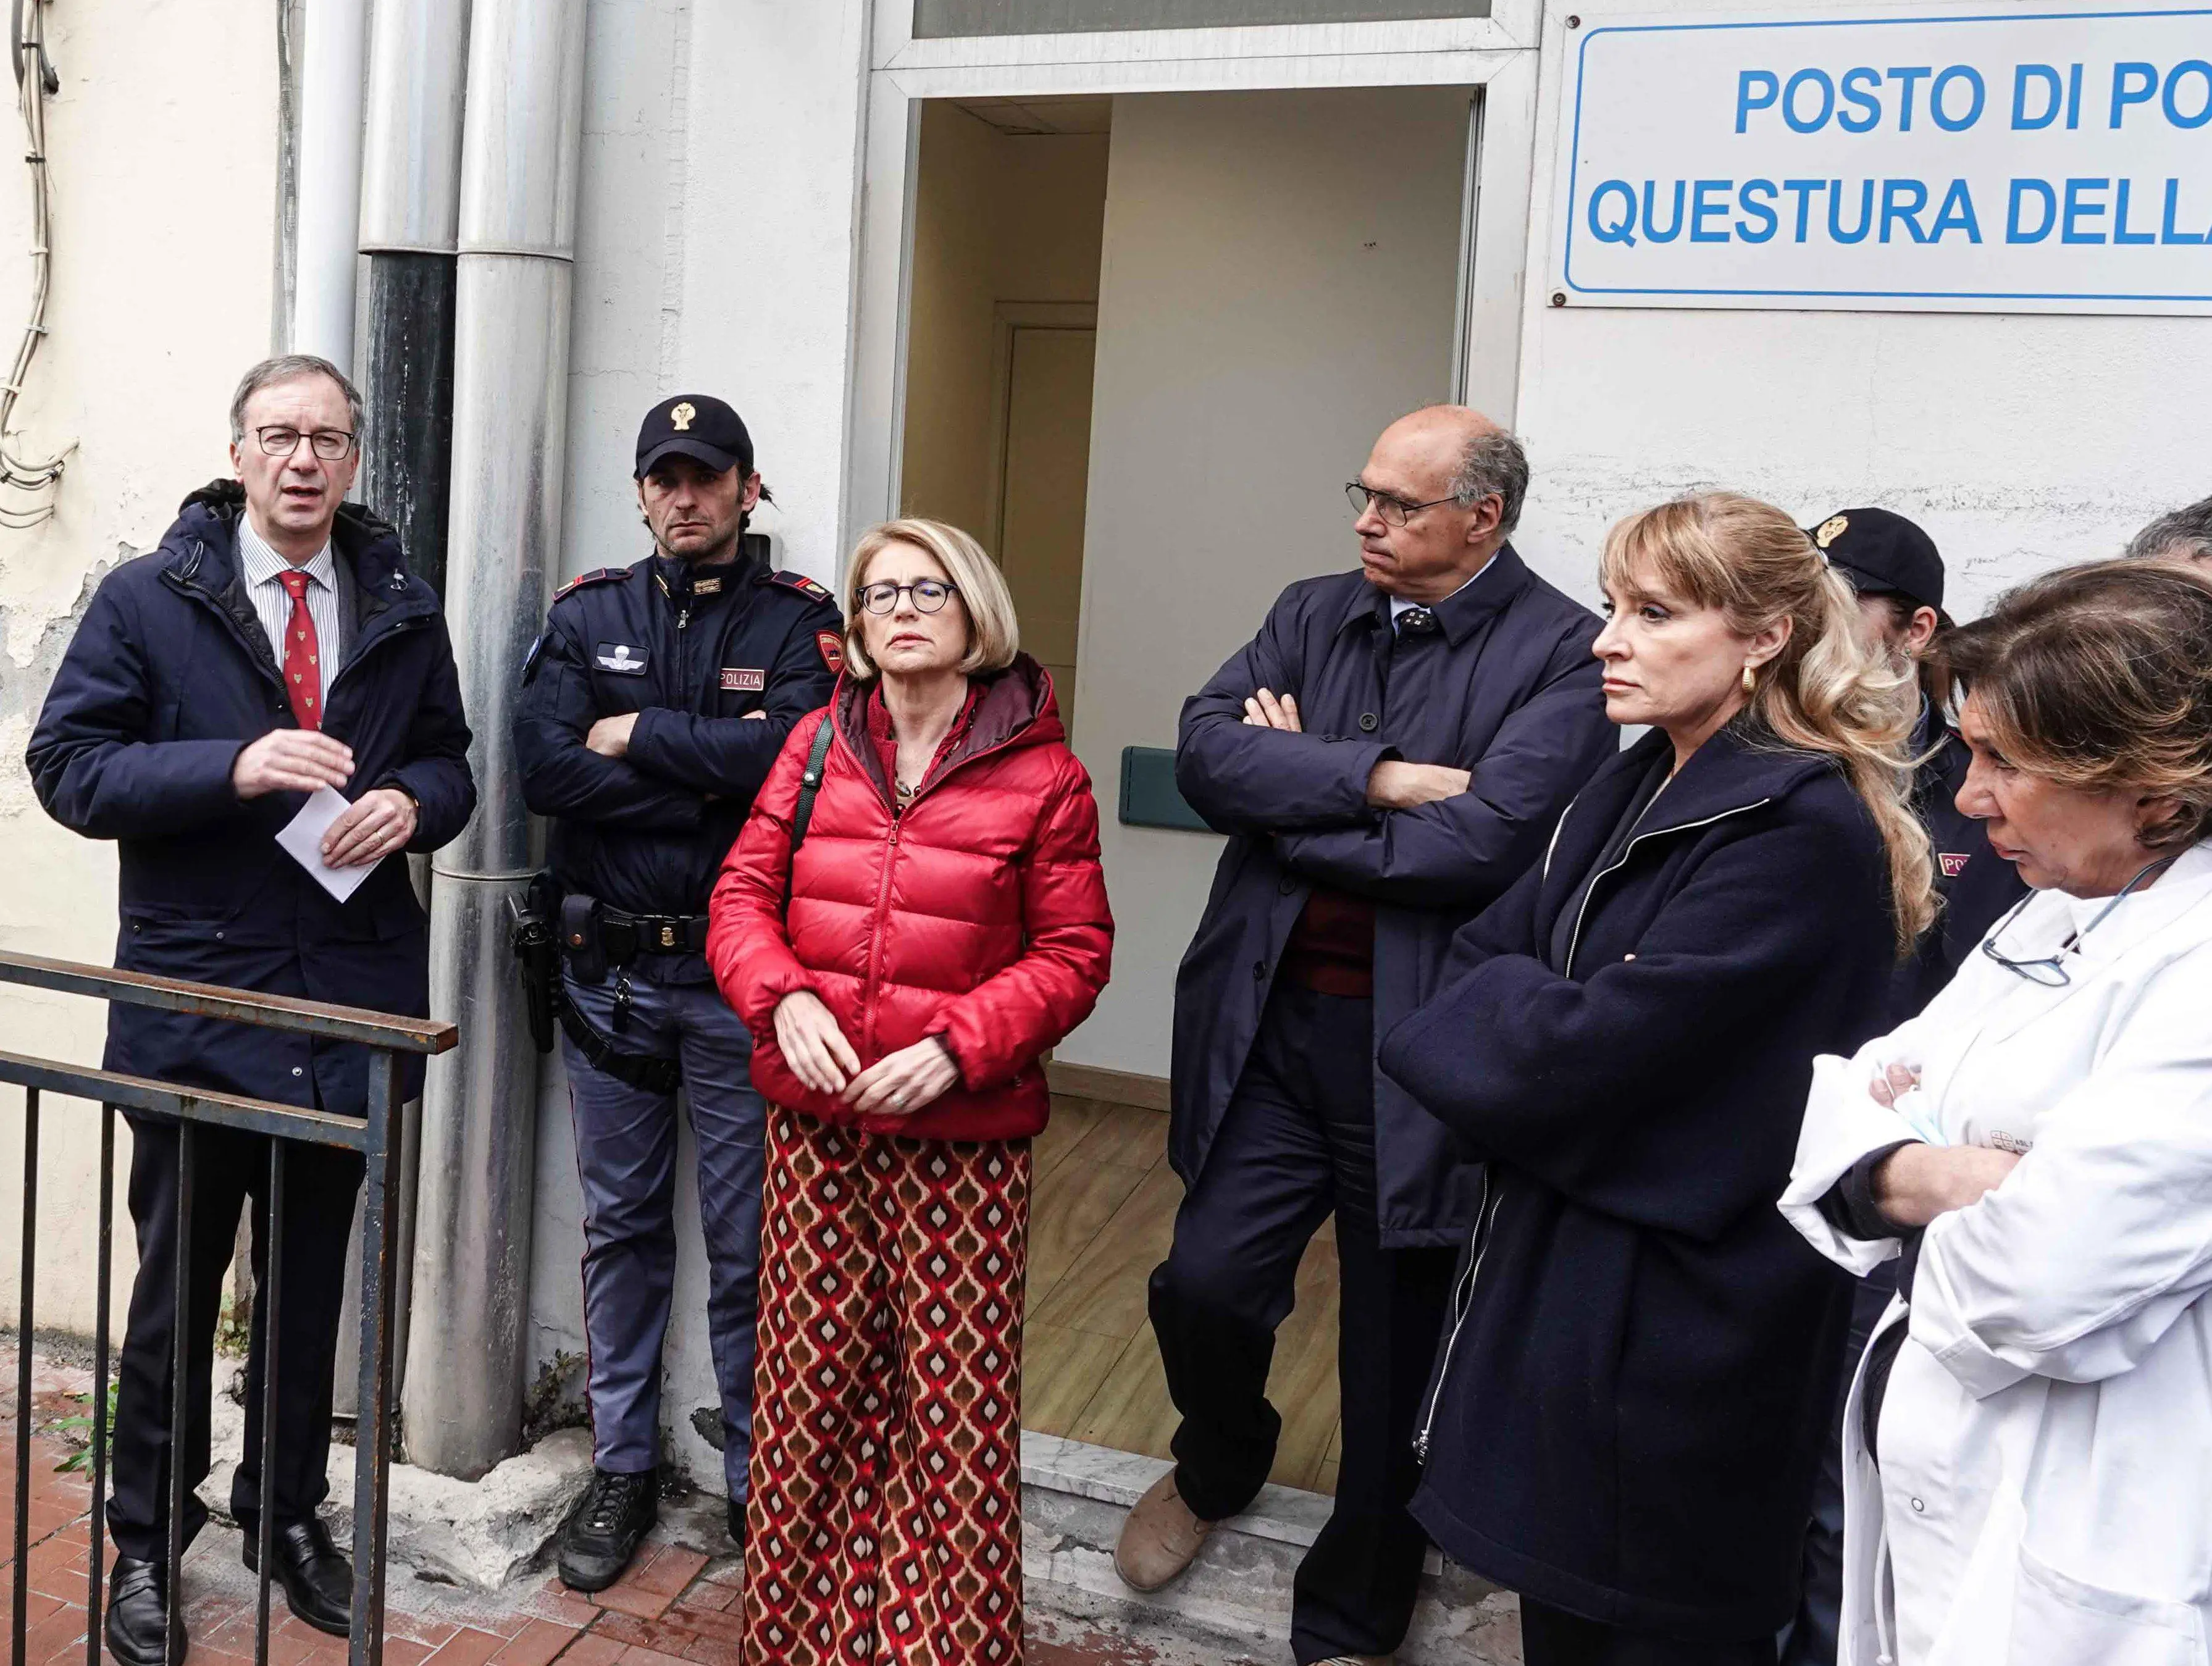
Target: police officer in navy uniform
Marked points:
1898	573
652	708
274	644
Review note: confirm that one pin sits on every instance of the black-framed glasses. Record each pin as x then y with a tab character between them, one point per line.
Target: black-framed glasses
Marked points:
2050	969
328	443
929	595
1394	511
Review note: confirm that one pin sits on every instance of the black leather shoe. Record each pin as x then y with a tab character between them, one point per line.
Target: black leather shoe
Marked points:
600	1538
318	1579
137	1613
737	1521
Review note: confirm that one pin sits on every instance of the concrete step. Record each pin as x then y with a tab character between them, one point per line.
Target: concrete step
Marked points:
1238	1592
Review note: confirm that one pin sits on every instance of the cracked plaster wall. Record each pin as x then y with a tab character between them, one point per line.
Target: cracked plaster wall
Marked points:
162	147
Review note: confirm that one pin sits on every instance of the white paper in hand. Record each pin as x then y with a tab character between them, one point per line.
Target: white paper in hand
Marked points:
303	838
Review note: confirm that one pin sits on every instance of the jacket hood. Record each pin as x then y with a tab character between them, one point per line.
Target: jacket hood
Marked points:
1019	708
206	531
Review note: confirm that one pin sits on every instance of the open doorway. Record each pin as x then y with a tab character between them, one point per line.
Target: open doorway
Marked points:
1148	337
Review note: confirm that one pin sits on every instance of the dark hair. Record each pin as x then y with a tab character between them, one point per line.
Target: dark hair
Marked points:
1492	461
2100	676
2186	533
287	367
1934	674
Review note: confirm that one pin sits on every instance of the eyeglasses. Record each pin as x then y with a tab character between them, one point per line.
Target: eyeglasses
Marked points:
1394	511
328	443
2050	969
929	595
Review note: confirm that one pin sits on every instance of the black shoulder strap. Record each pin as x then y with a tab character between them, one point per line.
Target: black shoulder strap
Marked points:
810	786
810	783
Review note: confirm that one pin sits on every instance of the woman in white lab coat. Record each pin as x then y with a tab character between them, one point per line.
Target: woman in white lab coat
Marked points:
2029	1440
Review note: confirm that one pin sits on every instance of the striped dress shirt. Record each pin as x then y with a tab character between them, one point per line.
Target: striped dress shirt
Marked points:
272	603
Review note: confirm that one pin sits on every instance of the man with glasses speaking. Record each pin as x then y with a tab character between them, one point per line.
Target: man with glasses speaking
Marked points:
1388	755
651	710
273	651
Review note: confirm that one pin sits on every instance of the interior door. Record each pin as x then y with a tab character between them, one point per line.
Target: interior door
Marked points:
1043	483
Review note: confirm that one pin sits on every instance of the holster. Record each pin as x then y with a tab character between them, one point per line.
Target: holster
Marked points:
537	956
583	944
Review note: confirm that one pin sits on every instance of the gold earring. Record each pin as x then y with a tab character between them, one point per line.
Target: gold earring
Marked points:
1750	682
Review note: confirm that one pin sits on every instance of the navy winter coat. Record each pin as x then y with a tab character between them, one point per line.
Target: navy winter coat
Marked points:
1976	884
167	679
718	677
1629	1413
1506	688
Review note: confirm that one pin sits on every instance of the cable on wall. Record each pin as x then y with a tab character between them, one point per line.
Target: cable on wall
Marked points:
27	485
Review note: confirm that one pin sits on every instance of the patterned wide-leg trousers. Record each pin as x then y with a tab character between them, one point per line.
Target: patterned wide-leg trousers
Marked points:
883	1527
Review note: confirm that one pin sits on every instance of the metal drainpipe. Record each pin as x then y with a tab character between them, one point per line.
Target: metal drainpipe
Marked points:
520	146
410	193
410	217
330	180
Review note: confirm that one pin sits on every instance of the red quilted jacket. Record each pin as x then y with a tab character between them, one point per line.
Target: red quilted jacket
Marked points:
978	915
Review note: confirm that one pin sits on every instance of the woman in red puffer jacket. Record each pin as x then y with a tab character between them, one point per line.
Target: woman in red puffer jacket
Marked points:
944	924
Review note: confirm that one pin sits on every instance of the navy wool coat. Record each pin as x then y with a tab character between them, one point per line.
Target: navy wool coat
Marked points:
167	680
1628	1415
1507	688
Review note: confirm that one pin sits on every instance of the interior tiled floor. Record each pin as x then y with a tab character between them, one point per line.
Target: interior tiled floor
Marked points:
1100	1220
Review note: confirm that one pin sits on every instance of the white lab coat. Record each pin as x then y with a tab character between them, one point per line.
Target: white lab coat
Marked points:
2044	1494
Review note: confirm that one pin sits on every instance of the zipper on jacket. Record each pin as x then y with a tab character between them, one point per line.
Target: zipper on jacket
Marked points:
882	912
1618	862
876	937
1462	1303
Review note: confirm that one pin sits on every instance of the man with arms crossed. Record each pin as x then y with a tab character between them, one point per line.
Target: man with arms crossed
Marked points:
1387	756
651	710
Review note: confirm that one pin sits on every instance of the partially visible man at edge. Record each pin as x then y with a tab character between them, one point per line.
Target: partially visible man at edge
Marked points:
1388	755
274	643
2185	533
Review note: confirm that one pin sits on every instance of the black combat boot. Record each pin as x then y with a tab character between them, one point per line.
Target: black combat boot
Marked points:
601	1537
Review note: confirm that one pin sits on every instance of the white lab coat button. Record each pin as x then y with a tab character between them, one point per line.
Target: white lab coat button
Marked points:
1919	1508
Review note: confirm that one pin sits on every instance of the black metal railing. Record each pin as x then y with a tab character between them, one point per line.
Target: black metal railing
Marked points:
376	1137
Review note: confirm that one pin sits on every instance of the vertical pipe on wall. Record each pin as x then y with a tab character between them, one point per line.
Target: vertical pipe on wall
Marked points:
410	189
411	212
520	148
329	210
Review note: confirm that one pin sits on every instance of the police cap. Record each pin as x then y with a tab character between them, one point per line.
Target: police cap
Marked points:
697	426
1882	554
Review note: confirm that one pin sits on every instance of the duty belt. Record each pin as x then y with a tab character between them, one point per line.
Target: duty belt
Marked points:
629	935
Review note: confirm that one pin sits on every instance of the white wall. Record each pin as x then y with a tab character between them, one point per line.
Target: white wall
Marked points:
1278	284
163	144
714	253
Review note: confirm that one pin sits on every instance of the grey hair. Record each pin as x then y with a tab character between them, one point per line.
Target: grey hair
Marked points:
1492	462
290	367
2186	533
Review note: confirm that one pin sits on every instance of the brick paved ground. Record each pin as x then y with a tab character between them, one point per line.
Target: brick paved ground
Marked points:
673	1607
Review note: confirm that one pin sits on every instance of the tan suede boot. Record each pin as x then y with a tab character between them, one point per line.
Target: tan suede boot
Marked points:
1160	1538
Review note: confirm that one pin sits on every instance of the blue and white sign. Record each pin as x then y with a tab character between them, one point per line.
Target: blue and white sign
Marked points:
2013	160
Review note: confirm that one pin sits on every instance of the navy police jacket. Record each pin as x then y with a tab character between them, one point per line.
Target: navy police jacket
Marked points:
719	663
1629	1412
1976	884
167	679
1506	688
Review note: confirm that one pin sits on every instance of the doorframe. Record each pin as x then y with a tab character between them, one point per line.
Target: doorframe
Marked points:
1497	54
1006	317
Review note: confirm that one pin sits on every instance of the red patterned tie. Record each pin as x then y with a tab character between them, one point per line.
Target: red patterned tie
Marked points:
303	677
